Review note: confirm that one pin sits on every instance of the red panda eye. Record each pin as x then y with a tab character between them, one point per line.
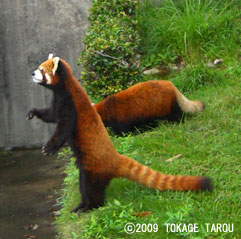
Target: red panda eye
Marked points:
42	71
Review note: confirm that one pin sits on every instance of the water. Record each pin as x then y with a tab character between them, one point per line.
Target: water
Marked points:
29	186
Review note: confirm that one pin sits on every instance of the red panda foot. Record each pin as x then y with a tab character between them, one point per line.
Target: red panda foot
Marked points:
31	114
49	149
80	208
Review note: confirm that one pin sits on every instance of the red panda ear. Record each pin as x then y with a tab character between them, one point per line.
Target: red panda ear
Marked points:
50	56
56	63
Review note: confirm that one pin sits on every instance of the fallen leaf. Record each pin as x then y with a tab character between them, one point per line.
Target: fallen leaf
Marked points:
49	197
28	227
29	236
172	158
142	214
31	227
56	213
205	170
35	227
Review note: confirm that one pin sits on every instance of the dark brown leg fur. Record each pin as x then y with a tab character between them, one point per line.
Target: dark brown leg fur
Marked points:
92	189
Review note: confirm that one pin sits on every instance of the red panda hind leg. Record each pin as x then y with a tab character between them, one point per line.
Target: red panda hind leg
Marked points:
142	124
92	190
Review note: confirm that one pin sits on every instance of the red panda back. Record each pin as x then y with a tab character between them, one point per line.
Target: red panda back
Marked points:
145	100
144	103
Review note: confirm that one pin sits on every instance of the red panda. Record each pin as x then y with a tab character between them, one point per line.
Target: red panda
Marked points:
79	124
143	104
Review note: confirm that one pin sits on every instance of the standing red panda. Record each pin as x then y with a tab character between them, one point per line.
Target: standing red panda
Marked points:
79	124
145	103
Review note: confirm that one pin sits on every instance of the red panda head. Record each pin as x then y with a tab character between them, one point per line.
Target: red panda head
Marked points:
46	74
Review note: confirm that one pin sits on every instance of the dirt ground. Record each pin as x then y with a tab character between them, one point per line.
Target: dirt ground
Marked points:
29	187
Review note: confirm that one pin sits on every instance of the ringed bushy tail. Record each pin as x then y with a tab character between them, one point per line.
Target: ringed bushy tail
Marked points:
186	105
148	177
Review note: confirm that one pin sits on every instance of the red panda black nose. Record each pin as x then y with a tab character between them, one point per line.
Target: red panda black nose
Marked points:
33	73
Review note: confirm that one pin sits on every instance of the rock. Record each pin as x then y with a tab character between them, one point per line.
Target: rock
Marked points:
162	71
218	61
151	71
215	63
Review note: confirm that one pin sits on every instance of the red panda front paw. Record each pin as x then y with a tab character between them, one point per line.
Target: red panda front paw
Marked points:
31	114
49	149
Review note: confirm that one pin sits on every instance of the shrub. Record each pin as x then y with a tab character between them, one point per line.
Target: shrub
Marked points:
110	60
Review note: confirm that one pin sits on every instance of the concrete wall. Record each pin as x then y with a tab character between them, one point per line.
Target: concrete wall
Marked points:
29	31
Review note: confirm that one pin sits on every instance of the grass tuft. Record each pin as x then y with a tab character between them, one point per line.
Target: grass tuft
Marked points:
196	76
190	29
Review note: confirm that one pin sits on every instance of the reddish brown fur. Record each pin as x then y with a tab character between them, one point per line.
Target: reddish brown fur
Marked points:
98	155
144	102
47	67
147	99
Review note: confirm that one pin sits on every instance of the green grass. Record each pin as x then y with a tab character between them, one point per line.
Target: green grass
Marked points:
210	145
189	29
209	141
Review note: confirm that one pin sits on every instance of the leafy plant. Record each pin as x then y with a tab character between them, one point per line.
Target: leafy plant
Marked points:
110	60
108	221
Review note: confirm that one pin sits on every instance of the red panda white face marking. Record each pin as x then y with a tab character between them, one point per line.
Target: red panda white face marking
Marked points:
56	63
46	73
37	76
48	78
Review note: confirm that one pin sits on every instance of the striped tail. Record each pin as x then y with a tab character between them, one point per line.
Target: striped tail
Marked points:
148	177
187	105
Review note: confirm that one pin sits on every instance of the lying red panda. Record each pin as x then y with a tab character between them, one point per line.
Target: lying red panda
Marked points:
143	104
79	124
